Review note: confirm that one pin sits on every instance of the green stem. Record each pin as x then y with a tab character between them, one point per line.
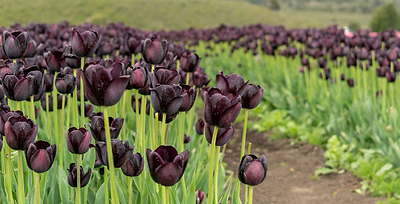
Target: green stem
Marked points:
164	194
49	121
9	188
250	194
106	198
32	107
163	132
143	125
180	132
216	174
187	78
246	115
211	167
130	189
61	142
138	135
114	195
384	98
78	187
37	189
82	95
124	115
246	187
21	190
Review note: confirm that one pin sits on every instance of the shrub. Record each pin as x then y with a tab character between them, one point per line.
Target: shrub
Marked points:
384	17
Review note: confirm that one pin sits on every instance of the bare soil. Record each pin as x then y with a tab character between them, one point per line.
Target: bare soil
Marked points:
290	173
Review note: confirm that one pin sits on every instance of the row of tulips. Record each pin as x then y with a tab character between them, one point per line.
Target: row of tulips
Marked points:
169	74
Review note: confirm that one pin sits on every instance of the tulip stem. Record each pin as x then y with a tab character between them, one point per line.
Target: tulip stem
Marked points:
48	120
123	116
82	94
164	194
106	185
143	124
37	189
114	195
78	186
163	128
180	149
216	174
20	178
9	188
246	115
138	136
130	189
62	130
211	167
250	195
32	109
187	78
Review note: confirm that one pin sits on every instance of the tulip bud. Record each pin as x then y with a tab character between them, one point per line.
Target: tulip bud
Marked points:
134	165
252	170
84	44
200	126
40	156
73	176
139	77
165	77
65	81
78	140
190	62
189	97
166	98
121	152
200	78
233	83
199	196
18	87
88	110
166	166
186	138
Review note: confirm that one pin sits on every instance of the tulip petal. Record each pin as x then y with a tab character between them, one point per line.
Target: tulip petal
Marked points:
115	90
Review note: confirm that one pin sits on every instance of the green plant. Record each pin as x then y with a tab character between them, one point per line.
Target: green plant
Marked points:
384	17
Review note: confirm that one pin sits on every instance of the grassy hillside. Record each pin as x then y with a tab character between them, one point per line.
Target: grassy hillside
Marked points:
166	14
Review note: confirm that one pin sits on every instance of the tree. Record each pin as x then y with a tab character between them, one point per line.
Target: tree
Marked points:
384	17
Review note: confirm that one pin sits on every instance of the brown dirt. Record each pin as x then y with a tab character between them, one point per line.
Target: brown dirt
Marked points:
290	173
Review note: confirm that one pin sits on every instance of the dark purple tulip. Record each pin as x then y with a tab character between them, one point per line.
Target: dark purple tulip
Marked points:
200	78
391	76
190	62
121	152
84	44
252	96
342	77
221	110
381	72
30	49
301	70
20	132
14	44
154	50
179	50
71	59
5	114
18	87
88	110
166	166
104	86
134	165
95	114
133	45
223	134
55	60
65	81
59	102
139	77
133	104
40	156
189	97
166	98
1	143
233	83
97	127
186	138
322	62
350	82
73	176
78	140
48	82
5	67
165	77
38	80
252	170
199	196
200	126
168	62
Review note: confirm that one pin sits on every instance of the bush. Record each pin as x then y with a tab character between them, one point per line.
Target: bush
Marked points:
354	26
385	16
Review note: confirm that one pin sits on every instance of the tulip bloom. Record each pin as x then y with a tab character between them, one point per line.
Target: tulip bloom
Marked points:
252	170
139	77
166	166
221	110
5	114
200	126
14	44
154	51
120	151
166	98
73	176
199	196
40	156
20	132
65	81
190	62
38	79
200	78
165	77
97	127
223	134
84	44
78	140
18	87
134	165
252	96
104	86
54	60
233	83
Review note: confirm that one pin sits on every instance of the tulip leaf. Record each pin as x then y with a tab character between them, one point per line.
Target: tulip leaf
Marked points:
173	196
63	185
100	195
91	196
225	198
122	192
191	199
89	159
235	197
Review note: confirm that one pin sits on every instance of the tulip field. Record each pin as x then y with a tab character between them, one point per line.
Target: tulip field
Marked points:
114	114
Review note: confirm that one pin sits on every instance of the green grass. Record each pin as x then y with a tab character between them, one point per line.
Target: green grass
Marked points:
167	14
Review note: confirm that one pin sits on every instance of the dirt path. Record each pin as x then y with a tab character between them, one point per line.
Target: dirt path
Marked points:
290	170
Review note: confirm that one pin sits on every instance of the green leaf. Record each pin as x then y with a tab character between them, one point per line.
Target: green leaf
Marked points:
100	195
384	168
63	185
